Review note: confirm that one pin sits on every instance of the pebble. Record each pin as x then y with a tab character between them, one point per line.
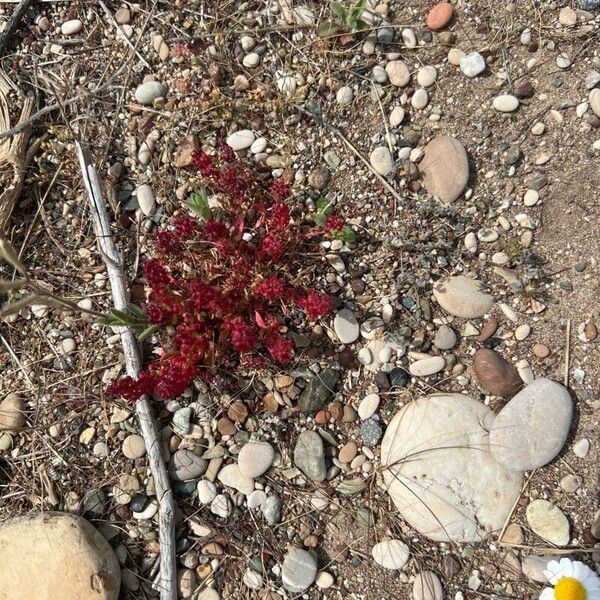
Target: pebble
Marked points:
398	73
567	16
298	571
594	100
581	447
445	338
344	96
241	139
522	332
445	168
149	91
538	128
324	580
563	61
122	15
525	371
463	297
534	567
232	476
427	586
531	198
346	326
419	99
368	406
12	413
467	494
71	27
348	452
391	554
408	38
541	350
134	446
256	499
396	116
427	366
221	506
455	55
533	427
495	374
370	431
548	521
382	161
427	76
513	534
271	509
145	198
251	60
186	465
472	64
259	145
207	491
439	16
505	103
309	456
570	483
252	579
255	458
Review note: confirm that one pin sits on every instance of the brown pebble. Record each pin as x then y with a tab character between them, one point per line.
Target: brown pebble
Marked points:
488	330
524	89
541	350
318	178
270	402
347	359
238	412
593	121
336	410
350	415
446	38
225	426
450	566
283	382
495	374
322	417
348	452
212	549
311	541
513	534
185	151
439	16
591	331
123	512
203	571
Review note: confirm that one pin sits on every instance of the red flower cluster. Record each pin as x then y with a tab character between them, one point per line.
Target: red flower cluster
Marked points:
223	284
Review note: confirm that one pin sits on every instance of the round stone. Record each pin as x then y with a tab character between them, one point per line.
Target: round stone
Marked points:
391	554
145	198
495	374
445	168
522	332
12	413
445	338
251	60
472	64
149	91
398	73
427	586
581	447
440	473
56	555
548	521
382	160
419	99
396	116
427	76
505	103
439	16
427	366
255	458
346	326
344	96
368	405
324	580
533	427
455	55
348	452
231	476
531	198
71	27
207	491
463	297
134	446
186	465
298	571
240	140
309	456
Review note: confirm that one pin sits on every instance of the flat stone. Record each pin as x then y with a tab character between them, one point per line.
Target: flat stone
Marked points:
207	491
522	332
344	96
439	472
232	476
427	76
271	509
255	458
391	554
348	452
398	73
427	366
472	64
134	446
309	456
594	100
368	406
240	140
495	374
419	99
12	413
513	534
534	566
445	338
548	521
318	391
298	571
382	160
149	91
396	116
445	168
581	447
505	103
533	427
56	555
346	326
186	465
463	297
146	200
427	586
439	16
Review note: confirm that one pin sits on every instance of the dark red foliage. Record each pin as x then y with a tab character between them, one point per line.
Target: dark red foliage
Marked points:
333	223
316	305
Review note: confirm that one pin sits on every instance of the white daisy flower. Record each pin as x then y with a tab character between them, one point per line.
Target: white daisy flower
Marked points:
570	580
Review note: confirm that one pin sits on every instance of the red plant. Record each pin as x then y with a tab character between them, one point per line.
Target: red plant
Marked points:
224	281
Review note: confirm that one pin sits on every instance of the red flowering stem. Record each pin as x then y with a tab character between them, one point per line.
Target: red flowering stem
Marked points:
118	282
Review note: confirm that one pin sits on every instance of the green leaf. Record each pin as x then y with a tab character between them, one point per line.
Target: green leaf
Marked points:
324	206
327	29
148	331
357	10
198	204
120	318
348	235
320	220
338	10
137	312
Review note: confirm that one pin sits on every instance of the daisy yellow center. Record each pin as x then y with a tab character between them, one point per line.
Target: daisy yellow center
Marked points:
569	588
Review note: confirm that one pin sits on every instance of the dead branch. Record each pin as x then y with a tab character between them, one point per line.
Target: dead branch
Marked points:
13	23
118	282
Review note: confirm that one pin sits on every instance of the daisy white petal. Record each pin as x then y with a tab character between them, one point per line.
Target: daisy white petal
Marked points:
547	594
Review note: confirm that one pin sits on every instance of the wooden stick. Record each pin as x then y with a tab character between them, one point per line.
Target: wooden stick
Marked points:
567	352
118	282
13	23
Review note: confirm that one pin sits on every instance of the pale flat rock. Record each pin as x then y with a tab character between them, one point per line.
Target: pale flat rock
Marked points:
346	326
309	455
445	168
440	473
594	100
56	555
12	413
427	366
427	586
463	297
298	571
382	161
533	427
231	476
391	554
548	521
240	140
255	458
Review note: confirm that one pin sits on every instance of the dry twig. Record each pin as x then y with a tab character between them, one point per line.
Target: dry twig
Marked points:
116	275
13	23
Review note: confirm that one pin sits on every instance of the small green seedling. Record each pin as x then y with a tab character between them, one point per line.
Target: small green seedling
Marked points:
351	17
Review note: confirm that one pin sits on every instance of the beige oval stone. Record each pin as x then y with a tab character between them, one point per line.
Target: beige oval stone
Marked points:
12	413
463	297
56	555
445	168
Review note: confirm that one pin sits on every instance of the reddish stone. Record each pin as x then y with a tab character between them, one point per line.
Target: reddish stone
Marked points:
495	374
237	412
225	426
439	16
336	410
541	350
524	89
183	155
322	417
488	330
